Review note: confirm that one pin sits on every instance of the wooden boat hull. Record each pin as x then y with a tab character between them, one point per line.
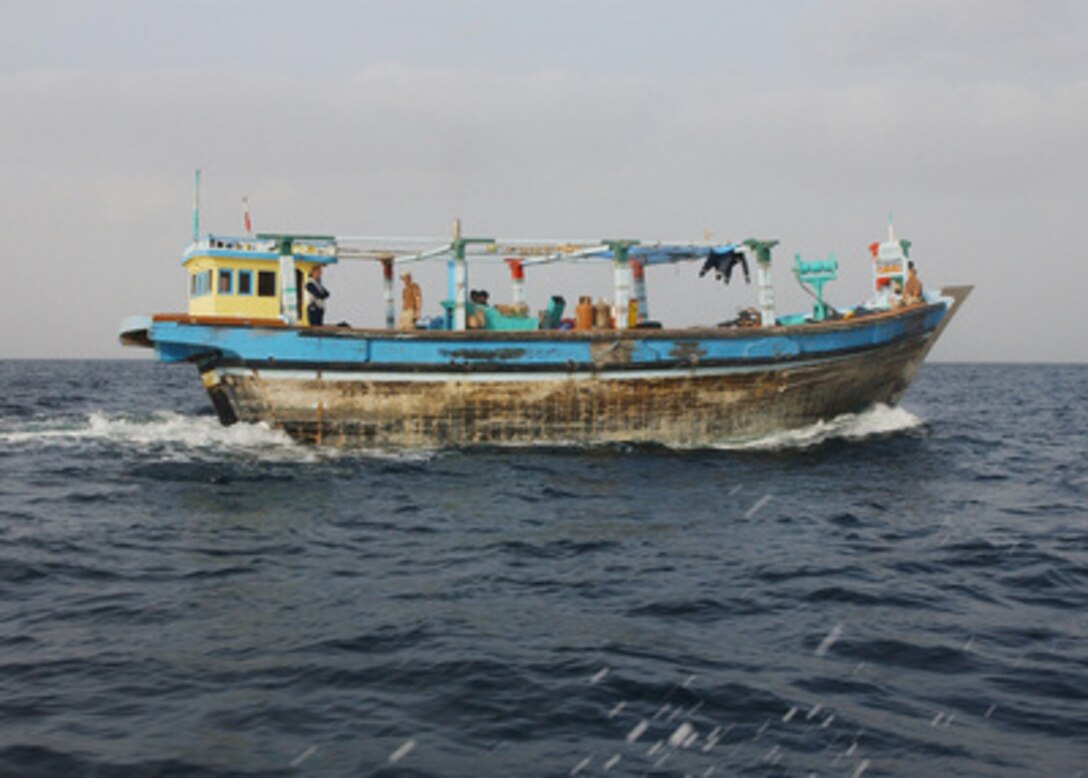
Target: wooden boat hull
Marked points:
687	408
427	390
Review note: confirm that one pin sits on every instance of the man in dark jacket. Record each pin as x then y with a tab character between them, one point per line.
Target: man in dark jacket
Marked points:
316	294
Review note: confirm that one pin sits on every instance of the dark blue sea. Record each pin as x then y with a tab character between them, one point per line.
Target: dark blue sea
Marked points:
900	593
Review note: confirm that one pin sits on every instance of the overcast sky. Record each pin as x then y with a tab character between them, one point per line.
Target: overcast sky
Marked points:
800	120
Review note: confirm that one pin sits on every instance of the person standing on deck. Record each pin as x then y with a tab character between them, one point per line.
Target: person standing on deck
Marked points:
411	303
316	294
912	292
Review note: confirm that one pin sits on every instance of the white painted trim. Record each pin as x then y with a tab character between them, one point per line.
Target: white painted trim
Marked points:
363	376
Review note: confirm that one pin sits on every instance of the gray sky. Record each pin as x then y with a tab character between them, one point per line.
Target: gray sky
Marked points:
802	120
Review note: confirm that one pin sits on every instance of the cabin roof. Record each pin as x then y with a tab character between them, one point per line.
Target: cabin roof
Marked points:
319	250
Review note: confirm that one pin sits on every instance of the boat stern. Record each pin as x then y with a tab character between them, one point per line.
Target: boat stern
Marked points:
135	331
171	343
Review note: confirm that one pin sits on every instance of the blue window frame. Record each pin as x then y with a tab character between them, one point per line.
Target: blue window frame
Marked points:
200	283
245	282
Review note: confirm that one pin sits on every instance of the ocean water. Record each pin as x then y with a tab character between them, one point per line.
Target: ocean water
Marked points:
900	593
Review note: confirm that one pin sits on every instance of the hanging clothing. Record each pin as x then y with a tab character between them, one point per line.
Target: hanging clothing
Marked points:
722	263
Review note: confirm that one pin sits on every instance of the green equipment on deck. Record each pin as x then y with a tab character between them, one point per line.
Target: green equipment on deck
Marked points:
816	274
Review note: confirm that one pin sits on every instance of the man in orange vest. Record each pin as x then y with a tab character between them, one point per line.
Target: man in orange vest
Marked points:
912	292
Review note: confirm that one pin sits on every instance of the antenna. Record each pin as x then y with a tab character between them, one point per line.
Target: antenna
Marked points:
196	206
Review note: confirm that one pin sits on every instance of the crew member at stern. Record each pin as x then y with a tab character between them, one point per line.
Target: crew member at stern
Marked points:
316	294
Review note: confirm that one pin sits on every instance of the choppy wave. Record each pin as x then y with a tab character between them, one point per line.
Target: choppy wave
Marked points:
183	598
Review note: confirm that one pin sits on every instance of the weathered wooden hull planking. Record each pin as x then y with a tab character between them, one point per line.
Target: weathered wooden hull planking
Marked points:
682	407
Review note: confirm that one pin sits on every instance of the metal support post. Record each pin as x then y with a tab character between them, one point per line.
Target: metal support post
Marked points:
621	278
387	293
460	274
638	274
762	250
288	285
517	278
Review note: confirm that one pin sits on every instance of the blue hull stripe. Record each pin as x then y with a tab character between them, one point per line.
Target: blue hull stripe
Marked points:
384	350
272	373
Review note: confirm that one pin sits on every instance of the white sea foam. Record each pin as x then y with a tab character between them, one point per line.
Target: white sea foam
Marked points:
154	428
880	420
172	434
186	431
176	431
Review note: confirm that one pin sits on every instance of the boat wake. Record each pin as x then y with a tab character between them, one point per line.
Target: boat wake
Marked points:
167	435
162	432
171	435
880	420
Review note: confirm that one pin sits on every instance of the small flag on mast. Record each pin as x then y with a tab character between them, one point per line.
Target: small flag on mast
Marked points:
245	213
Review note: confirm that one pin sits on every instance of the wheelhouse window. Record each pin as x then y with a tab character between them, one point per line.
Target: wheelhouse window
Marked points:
266	283
200	284
245	282
226	282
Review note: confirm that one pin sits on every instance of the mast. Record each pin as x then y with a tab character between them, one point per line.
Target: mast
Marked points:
196	206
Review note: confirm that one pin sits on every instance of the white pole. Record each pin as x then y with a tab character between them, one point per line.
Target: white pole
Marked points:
288	290
387	293
460	279
761	249
766	294
621	274
460	282
517	280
